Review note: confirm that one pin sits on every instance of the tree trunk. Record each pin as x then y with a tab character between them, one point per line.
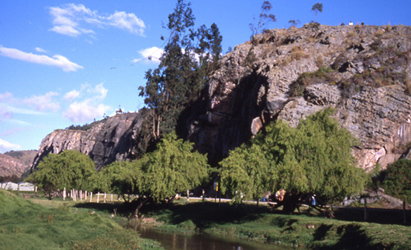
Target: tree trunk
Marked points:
404	215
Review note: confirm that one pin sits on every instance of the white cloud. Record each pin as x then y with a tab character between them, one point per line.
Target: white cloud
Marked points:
90	107
57	60
71	95
72	19
41	50
7	146
85	111
43	102
127	21
150	54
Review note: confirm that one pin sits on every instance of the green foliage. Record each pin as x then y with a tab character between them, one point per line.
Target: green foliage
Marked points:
70	169
314	158
119	177
398	180
307	78
172	168
180	77
245	171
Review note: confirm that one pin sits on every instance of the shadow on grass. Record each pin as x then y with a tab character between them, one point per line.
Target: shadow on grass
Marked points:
206	215
351	236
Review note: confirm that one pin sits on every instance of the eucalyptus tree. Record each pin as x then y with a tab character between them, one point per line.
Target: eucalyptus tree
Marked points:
189	56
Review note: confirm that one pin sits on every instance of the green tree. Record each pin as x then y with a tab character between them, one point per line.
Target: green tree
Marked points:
157	176
173	167
180	76
70	169
313	158
245	171
318	7
121	177
398	181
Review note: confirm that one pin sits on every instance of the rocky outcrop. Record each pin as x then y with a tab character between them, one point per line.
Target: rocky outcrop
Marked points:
363	72
106	141
10	166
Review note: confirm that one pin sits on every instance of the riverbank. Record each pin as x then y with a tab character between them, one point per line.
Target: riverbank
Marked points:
26	224
309	230
44	224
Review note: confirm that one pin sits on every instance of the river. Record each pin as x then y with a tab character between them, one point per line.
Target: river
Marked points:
173	241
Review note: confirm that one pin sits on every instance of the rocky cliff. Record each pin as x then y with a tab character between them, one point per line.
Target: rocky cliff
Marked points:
364	72
106	141
361	71
10	166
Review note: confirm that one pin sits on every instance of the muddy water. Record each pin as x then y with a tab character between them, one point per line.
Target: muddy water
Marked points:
173	241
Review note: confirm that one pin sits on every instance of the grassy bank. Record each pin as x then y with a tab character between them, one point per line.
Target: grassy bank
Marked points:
57	225
306	230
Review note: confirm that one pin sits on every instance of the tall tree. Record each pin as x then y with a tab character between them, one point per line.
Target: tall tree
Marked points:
70	169
180	76
314	158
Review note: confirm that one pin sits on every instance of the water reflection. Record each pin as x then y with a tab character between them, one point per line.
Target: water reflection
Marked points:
173	241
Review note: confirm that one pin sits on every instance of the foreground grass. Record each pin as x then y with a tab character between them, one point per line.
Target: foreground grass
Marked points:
306	230
57	225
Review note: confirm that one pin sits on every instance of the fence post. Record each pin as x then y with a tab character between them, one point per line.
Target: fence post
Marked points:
98	197
64	194
91	197
111	198
188	196
105	195
85	195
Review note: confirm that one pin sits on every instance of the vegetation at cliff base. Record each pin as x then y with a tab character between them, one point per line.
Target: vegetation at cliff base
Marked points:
312	159
158	176
70	169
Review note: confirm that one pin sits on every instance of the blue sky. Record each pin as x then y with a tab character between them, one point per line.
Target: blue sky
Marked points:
70	62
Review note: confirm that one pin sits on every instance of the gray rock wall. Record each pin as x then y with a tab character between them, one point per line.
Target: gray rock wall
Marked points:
105	142
368	85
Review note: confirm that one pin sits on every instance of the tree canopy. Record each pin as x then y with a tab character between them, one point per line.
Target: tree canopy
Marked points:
313	158
70	169
398	180
188	58
159	175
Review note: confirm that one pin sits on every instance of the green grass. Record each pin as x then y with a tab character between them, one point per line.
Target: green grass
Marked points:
58	225
308	230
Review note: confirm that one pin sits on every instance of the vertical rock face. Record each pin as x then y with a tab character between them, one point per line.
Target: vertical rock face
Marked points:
364	72
105	142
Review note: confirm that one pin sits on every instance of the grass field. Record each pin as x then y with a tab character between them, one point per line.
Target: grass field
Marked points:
26	224
45	224
308	230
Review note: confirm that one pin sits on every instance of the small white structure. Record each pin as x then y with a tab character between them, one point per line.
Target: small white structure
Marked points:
22	186
26	186
10	186
351	23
